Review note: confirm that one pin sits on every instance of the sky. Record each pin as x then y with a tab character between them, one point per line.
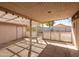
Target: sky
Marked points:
67	22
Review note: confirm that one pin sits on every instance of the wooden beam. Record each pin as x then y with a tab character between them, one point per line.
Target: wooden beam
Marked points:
42	32
2	15
9	19
12	19
16	32
30	45
22	32
75	16
18	14
72	37
26	31
59	35
52	20
7	23
50	31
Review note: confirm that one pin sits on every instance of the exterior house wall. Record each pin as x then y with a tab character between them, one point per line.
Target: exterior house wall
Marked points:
9	32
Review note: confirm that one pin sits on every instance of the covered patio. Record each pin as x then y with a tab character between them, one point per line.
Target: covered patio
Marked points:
22	31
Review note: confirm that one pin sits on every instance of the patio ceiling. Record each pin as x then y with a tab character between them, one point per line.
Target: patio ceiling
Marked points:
43	12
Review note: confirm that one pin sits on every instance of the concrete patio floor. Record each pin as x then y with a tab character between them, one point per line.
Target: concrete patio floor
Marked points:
21	48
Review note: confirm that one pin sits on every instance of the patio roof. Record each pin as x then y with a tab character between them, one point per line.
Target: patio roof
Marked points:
43	12
14	19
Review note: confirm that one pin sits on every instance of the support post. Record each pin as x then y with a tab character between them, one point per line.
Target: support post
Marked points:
42	31
16	32
22	33
37	34
30	45
71	37
50	31
75	29
43	35
59	35
25	32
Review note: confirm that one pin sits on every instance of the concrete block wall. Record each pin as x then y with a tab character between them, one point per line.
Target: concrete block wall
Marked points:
62	36
34	34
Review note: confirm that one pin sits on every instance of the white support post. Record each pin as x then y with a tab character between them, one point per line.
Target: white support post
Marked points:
43	35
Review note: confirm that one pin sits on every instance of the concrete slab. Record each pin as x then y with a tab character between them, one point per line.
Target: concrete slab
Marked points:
14	48
36	49
24	53
5	53
34	54
22	45
15	56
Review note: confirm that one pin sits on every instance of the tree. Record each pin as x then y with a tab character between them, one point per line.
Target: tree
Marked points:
50	23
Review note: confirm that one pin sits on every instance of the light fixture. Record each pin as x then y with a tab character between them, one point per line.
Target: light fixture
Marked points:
49	11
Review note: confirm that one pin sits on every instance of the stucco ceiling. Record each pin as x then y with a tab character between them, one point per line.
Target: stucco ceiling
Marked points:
43	12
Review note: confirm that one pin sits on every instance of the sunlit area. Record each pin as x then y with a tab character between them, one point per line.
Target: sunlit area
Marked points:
39	30
60	30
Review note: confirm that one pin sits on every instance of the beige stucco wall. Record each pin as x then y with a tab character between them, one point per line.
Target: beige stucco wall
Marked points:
9	32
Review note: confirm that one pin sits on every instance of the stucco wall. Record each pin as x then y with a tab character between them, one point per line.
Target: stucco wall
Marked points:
9	32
